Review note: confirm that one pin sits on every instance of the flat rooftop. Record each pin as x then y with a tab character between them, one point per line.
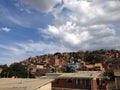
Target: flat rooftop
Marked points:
117	73
81	74
22	84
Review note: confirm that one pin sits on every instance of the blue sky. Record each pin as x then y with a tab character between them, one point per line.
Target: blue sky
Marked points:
36	27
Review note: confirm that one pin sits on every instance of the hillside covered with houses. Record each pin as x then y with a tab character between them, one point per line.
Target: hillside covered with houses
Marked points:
107	60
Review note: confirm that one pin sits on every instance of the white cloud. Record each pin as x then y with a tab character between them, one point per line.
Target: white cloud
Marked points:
86	24
5	29
91	12
43	5
22	8
69	33
83	38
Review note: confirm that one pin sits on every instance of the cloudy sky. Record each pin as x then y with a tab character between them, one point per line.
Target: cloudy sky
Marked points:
36	27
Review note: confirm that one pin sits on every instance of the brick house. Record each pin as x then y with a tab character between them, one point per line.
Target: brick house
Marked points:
115	65
83	80
38	70
55	62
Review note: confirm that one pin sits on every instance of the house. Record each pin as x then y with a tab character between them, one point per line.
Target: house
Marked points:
89	67
25	84
98	66
33	69
74	66
117	79
55	61
41	72
105	66
82	80
111	65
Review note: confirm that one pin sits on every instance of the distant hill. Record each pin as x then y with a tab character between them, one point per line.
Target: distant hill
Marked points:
59	62
88	56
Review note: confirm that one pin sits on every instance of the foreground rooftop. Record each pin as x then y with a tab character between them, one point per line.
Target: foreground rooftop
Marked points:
22	84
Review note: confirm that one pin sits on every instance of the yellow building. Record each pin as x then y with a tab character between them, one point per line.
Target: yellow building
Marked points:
90	66
98	66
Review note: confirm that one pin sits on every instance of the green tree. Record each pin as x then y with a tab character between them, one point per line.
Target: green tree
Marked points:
16	70
93	58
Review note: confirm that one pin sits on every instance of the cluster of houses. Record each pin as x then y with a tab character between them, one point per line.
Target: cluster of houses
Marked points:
81	80
75	61
56	65
80	75
86	76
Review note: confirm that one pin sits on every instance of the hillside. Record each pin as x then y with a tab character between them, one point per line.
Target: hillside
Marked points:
61	62
88	56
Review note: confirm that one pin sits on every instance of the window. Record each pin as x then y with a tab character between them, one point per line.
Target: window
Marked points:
97	81
69	81
103	81
57	81
78	81
87	82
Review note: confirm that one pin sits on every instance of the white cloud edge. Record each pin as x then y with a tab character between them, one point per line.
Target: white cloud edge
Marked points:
5	29
21	51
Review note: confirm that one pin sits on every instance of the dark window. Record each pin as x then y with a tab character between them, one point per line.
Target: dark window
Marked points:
98	82
103	81
57	81
79	81
88	83
69	81
85	84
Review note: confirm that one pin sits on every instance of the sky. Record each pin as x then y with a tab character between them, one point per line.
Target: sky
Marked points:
35	27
